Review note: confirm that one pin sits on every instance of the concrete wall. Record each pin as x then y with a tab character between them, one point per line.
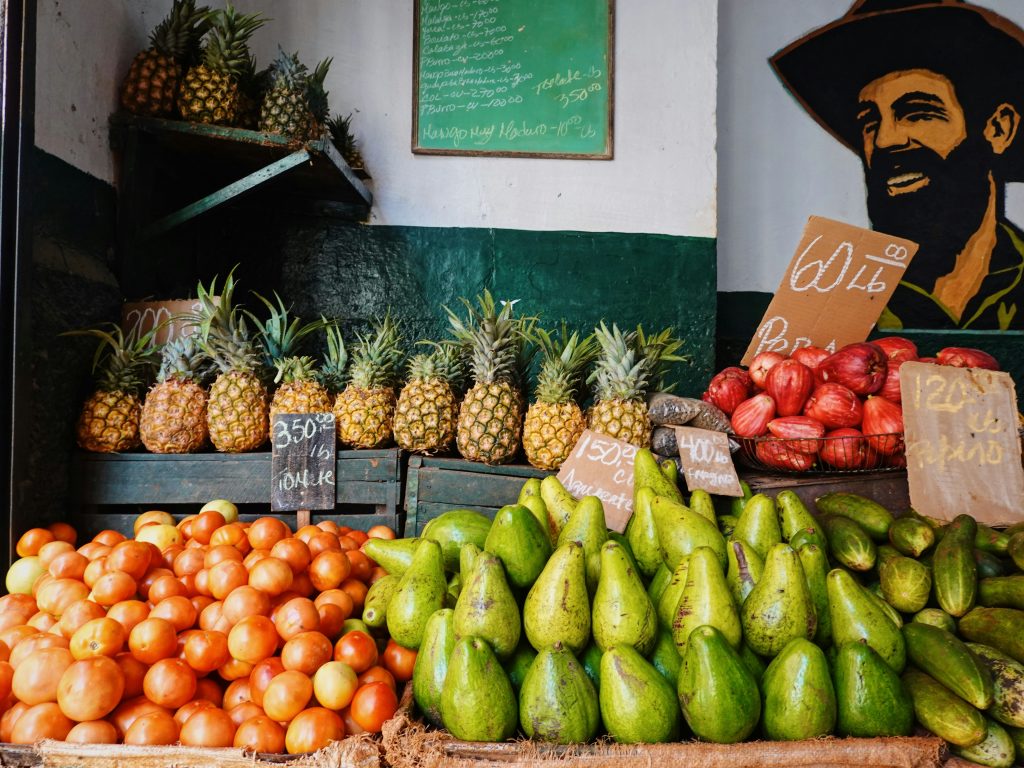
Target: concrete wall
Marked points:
776	166
662	179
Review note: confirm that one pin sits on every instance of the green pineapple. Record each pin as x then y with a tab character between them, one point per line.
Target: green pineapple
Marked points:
428	408
298	390
174	413
341	134
555	421
210	92
365	409
237	413
285	108
151	84
491	414
624	372
123	363
316	97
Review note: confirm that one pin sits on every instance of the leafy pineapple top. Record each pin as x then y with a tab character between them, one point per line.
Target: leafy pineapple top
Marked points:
564	359
122	362
288	72
446	362
227	49
660	350
493	339
332	373
222	333
316	94
178	35
377	358
280	338
293	369
622	372
182	359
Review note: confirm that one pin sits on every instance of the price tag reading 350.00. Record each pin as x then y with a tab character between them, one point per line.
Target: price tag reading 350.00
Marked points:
302	463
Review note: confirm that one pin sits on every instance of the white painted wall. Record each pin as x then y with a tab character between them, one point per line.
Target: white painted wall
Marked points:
776	166
662	180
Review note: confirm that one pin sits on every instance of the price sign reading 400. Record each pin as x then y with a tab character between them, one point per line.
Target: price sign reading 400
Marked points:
834	289
302	464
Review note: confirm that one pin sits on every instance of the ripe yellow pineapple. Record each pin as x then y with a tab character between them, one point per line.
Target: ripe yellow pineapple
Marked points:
555	421
210	92
298	390
427	412
627	367
365	409
174	414
491	414
109	419
237	414
151	84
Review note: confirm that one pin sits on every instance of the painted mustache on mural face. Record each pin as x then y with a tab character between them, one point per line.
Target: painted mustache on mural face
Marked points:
936	202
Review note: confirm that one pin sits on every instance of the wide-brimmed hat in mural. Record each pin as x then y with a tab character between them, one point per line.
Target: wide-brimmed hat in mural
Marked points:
827	68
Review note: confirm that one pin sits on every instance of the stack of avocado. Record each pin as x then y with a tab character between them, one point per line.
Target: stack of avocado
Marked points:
762	622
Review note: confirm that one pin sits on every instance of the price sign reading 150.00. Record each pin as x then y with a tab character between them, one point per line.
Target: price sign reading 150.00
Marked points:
302	463
834	289
602	466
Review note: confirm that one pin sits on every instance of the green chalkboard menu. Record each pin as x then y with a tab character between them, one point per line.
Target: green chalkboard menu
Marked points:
513	78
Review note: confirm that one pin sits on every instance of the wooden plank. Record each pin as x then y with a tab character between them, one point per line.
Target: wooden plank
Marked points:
412	484
461	488
887	488
515	470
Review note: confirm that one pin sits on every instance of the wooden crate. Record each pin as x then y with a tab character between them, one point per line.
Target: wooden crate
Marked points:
888	488
435	485
108	490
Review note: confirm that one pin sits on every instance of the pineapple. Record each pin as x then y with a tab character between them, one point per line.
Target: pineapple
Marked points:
298	390
285	107
316	96
341	134
491	415
252	84
174	414
427	412
109	420
210	91
332	373
625	370
237	412
151	85
555	421
365	409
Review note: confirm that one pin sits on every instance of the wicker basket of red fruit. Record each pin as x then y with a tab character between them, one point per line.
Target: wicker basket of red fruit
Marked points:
816	411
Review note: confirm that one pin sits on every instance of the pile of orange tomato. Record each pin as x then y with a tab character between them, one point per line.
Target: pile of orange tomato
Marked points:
209	632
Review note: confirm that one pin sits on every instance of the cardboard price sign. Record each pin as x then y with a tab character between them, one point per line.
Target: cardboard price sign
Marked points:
834	289
963	448
302	463
602	466
707	461
140	317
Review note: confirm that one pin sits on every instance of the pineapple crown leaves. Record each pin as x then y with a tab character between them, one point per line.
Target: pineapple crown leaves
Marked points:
340	127
221	331
293	369
122	362
659	351
564	360
178	35
227	49
332	373
280	338
288	72
316	93
495	340
377	358
181	358
445	362
621	371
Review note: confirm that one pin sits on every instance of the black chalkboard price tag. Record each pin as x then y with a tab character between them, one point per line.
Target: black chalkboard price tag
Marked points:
302	462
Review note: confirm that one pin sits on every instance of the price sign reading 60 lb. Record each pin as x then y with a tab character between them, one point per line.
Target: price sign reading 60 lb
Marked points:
302	462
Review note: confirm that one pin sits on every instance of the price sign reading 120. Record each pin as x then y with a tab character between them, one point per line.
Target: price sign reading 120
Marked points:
834	289
302	464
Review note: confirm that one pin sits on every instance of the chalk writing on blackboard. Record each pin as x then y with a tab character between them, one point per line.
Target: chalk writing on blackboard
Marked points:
302	462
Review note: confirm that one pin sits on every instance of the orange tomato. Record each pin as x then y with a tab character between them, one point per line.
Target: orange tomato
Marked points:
329	569
10	717
152	517
306	652
217	553
297	615
208	727
377	674
313	729
90	688
153	639
377	574
152	729
185	711
42	721
207	651
36	642
98	637
254	557
128	613
346	543
331	620
113	587
399	661
50	550
134	672
169	683
235	670
93	549
178	610
356	590
209	689
245	601
244	711
35	680
357	649
260	734
92	732
130	709
287	695
11	636
63	532
359	537
226	576
32	541
96	568
323	542
253	639
328	525
132	557
43	621
265	532
373	705
306	532
6	678
271	575
293	551
189	561
334	684
205	524
200	602
361	565
338	597
109	538
380	532
261	676
236	693
56	595
211	614
164	586
234	535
